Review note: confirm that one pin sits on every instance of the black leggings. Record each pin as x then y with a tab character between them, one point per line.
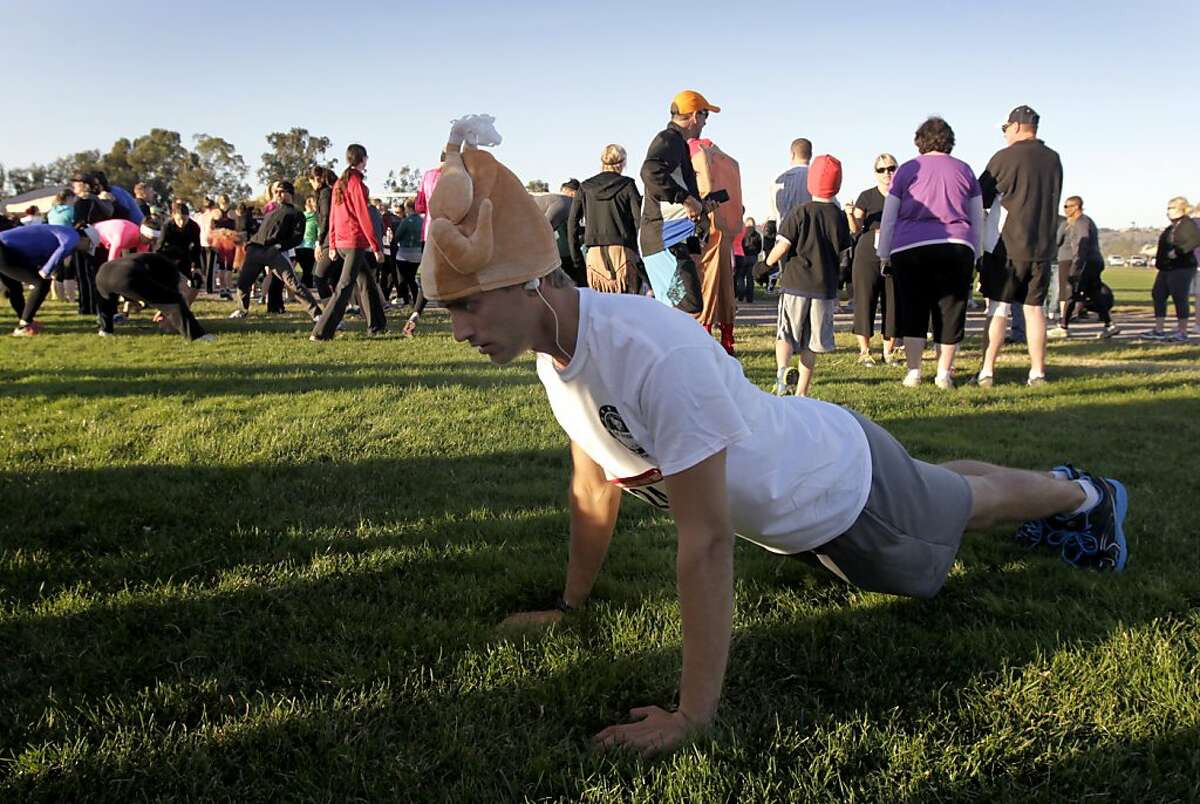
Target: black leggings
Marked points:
306	259
408	280
358	270
21	275
268	257
326	272
151	279
1177	284
872	290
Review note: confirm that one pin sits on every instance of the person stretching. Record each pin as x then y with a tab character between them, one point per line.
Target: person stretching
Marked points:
281	231
153	279
29	255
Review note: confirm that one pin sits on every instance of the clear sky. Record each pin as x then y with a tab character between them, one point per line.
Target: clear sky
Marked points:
1115	83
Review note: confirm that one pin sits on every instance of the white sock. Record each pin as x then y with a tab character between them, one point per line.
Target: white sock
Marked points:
1091	498
1040	375
914	374
983	374
943	375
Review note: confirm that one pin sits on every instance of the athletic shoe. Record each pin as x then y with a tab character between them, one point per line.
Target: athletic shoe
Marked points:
119	318
1108	332
890	359
238	313
945	383
983	381
865	359
1096	539
1034	382
911	380
1037	532
1177	337
205	338
1058	333
787	385
28	331
104	334
1153	335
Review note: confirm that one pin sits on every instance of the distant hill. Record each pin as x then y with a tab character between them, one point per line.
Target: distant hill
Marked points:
1126	242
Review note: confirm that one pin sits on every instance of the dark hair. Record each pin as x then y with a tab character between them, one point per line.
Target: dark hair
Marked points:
934	134
100	180
769	229
571	184
323	176
802	148
1074	199
355	154
180	208
62	196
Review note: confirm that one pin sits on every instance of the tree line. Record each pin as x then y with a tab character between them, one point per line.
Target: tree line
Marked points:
212	165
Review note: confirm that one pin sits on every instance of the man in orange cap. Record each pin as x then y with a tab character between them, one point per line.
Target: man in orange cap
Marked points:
672	205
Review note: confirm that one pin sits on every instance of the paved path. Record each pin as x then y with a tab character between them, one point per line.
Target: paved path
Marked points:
1132	322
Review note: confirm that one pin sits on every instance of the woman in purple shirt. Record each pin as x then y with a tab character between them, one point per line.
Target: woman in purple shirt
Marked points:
929	239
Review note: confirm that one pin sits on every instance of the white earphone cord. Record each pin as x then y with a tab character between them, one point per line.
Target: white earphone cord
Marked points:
557	342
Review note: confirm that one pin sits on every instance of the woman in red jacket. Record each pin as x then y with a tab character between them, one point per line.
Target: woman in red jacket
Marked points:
352	237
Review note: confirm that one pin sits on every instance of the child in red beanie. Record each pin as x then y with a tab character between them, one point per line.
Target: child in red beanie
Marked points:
811	239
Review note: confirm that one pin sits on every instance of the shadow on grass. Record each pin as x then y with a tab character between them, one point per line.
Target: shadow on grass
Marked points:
385	671
253	379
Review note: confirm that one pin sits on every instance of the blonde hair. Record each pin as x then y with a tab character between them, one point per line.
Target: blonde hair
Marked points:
885	157
1182	201
612	158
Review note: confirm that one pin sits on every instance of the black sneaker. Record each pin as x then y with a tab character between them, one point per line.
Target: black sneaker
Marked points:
1095	539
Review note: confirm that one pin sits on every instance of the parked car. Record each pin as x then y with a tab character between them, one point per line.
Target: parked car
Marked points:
1116	259
1138	261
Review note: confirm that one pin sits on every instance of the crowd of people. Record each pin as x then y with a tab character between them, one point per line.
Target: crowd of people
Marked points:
653	405
908	251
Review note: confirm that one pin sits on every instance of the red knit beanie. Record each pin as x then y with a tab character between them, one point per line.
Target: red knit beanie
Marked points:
824	177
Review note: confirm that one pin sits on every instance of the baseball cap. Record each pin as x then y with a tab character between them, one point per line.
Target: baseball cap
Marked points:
1025	115
689	101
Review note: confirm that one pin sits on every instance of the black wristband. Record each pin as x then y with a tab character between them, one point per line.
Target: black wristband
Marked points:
562	605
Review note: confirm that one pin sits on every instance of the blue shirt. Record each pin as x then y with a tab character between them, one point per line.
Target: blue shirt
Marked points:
41	244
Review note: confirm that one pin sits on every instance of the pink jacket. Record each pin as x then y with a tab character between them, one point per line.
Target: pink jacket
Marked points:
119	235
424	192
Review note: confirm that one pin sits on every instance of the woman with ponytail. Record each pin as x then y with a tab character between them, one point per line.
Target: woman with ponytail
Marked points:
352	237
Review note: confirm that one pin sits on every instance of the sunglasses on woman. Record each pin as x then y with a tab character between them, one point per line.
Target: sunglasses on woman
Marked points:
886	169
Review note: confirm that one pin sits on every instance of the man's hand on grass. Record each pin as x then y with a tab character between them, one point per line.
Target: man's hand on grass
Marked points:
653	731
525	619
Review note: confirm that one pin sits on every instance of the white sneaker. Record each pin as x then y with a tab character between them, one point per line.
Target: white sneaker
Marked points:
1057	333
1108	332
104	334
911	380
945	383
205	338
238	313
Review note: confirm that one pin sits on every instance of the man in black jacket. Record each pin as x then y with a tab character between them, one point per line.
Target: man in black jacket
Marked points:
281	231
672	205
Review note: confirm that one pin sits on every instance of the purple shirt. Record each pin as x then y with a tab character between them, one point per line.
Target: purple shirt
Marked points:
935	195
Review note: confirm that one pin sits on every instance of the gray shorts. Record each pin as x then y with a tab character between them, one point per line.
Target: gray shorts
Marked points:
806	323
905	540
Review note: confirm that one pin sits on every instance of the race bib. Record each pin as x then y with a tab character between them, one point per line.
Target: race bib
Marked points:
648	487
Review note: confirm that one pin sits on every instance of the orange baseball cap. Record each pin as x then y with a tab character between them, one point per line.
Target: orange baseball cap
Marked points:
690	101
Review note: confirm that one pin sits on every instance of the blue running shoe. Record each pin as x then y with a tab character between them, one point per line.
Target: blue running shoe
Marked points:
1038	532
1096	539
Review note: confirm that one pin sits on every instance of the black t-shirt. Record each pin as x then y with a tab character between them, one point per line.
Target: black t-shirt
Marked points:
818	233
1029	176
870	201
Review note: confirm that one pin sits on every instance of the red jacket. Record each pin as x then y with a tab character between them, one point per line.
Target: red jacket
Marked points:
349	222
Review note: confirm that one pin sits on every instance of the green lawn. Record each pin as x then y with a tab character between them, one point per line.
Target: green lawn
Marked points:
264	569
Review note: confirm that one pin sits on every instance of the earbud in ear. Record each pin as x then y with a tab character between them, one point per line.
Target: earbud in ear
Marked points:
532	284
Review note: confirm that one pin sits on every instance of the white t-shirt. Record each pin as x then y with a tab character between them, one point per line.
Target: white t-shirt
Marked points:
649	393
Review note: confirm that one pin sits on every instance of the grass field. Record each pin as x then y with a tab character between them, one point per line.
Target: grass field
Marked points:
264	569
